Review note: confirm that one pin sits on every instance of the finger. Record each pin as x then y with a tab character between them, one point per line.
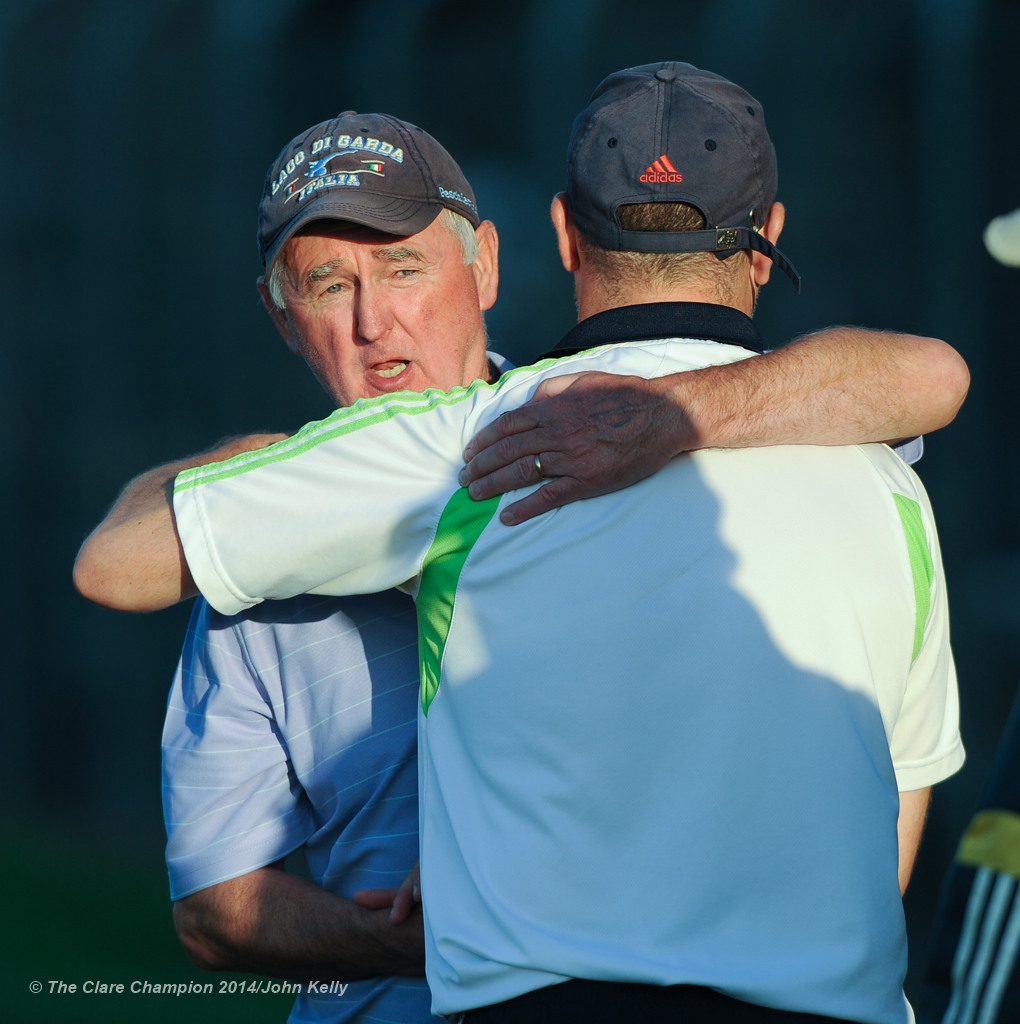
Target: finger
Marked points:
553	386
407	896
502	454
554	494
509	424
520	473
402	905
375	899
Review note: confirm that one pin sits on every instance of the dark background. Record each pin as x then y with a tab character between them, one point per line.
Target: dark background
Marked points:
135	138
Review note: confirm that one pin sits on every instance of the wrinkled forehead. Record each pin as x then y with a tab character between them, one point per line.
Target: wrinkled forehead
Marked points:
360	237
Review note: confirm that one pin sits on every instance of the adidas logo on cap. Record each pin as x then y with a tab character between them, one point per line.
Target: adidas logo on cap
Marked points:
661	170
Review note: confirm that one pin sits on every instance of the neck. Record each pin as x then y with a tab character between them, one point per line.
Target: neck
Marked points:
595	296
592	300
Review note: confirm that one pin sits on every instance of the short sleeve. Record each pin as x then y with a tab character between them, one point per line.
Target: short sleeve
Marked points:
925	744
910	450
231	803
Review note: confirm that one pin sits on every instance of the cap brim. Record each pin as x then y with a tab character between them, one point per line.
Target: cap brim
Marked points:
392	216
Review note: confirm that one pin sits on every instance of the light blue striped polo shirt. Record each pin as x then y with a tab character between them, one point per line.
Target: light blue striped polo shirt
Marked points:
292	725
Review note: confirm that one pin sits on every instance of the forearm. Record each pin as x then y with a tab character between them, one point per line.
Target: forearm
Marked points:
909	829
133	560
843	385
270	922
595	432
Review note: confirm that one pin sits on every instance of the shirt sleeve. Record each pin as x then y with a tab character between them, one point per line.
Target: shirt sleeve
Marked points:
348	505
910	450
926	746
231	802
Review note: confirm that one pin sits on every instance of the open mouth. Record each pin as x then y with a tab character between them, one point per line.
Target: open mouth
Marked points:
392	369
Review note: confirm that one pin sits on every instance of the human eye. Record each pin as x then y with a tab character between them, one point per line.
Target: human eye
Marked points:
331	288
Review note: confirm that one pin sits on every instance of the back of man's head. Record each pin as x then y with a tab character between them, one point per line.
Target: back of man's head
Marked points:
675	164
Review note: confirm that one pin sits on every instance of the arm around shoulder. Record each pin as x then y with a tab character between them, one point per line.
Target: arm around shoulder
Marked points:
916	384
595	432
133	560
842	385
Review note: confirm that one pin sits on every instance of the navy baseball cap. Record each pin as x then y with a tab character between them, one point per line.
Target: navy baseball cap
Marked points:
369	169
669	132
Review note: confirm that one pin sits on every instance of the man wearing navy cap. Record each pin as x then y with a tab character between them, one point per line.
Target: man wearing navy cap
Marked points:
708	688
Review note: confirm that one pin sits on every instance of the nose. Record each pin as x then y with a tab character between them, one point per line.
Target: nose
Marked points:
372	315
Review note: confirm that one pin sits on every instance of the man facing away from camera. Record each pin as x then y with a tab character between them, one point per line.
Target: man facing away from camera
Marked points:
694	716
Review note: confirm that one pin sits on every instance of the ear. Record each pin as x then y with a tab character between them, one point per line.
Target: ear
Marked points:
566	233
761	266
279	316
486	265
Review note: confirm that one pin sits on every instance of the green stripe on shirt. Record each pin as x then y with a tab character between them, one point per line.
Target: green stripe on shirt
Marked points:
460	526
922	567
364	413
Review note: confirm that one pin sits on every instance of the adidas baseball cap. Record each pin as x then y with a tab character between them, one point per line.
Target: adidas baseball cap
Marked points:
669	132
369	169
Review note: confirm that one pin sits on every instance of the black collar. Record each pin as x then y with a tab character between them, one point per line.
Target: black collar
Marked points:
645	322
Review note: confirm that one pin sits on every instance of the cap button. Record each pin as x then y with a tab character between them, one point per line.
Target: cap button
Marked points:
666	75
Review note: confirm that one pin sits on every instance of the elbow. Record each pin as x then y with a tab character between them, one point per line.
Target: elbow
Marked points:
98	581
107	574
952	378
89	578
204	946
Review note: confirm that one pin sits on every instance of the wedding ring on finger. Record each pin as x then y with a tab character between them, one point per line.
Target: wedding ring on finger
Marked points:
538	467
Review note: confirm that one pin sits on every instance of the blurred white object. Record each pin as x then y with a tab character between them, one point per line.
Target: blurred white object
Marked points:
1002	238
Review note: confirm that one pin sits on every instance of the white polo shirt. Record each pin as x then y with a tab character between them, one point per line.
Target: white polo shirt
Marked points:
662	730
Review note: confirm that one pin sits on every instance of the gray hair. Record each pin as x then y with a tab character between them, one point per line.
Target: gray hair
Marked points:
458	226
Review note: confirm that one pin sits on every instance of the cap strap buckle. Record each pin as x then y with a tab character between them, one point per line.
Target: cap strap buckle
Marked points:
726	238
